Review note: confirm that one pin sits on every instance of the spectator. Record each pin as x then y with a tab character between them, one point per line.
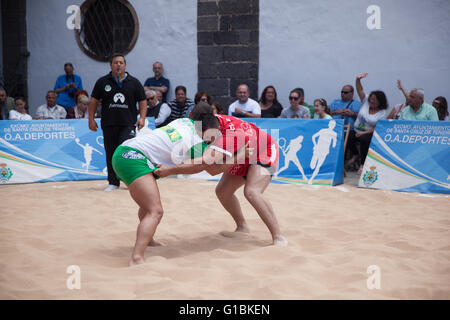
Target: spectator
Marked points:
270	107
321	110
157	109
302	101
51	110
180	105
66	87
80	111
6	104
158	82
159	95
440	103
217	108
373	108
20	113
295	110
119	92
346	108
398	108
417	109
244	106
202	96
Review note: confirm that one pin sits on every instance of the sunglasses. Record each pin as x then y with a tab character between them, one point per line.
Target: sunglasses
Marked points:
151	98
345	92
294	98
204	99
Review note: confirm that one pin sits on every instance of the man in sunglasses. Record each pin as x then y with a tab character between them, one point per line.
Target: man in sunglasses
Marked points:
346	108
157	109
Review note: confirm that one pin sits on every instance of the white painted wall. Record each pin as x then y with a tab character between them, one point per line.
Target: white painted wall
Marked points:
168	33
321	45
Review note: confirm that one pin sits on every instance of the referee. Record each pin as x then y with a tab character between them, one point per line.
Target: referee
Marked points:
118	92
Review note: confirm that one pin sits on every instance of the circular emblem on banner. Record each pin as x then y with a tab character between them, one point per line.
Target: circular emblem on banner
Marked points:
5	173
370	176
107	88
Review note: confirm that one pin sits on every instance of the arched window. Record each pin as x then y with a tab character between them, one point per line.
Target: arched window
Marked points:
107	27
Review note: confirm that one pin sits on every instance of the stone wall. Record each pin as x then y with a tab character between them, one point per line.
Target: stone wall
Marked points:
228	47
15	50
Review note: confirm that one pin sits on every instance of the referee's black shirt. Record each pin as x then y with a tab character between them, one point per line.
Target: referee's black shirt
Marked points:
118	100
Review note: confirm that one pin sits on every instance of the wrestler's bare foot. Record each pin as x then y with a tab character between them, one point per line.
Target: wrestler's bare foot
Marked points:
280	241
136	260
240	230
154	243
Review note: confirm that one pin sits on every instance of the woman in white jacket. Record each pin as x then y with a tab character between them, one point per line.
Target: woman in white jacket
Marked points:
19	113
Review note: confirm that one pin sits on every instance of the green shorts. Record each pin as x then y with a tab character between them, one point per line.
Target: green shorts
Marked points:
130	163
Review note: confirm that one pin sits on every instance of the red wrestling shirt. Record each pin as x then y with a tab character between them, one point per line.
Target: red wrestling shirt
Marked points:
235	134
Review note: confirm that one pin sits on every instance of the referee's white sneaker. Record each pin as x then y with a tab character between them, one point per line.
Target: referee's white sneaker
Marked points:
111	187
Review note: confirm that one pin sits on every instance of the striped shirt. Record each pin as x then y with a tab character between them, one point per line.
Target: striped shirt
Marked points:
177	110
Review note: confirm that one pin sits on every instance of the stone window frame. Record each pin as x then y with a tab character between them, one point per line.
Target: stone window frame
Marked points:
84	7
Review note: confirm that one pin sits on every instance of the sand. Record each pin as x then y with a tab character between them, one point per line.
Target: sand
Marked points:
334	233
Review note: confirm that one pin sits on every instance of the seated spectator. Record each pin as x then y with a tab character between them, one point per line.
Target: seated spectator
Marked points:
398	108
202	96
347	108
66	87
80	111
6	104
295	110
180	104
270	107
321	110
217	108
50	110
440	103
158	82
244	106
159	95
373	108
303	103
20	113
417	109
157	109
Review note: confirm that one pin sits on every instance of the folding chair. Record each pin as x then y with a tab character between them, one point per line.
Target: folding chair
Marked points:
346	132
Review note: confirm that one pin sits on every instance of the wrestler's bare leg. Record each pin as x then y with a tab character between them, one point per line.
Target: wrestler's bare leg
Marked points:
145	192
257	181
225	190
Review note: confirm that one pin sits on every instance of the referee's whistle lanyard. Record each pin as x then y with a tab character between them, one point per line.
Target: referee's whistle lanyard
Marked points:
120	83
